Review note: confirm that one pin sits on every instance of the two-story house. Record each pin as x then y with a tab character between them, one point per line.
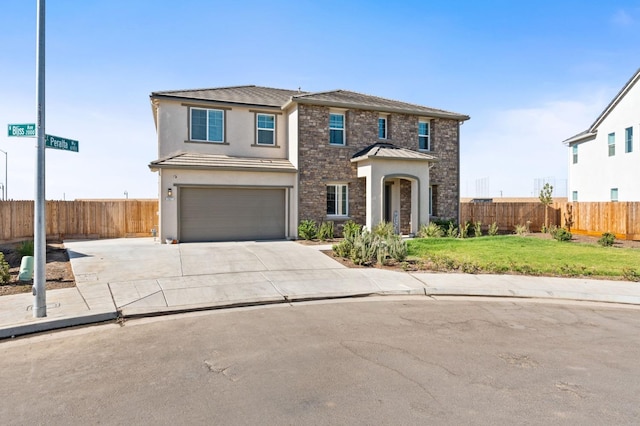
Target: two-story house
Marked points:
250	163
604	160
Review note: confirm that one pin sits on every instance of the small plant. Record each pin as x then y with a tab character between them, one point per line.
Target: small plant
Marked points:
464	230
452	231
383	229
326	231
630	274
4	270
493	229
397	248
561	234
607	239
477	229
364	248
432	230
307	229
25	248
343	249
350	229
546	199
521	230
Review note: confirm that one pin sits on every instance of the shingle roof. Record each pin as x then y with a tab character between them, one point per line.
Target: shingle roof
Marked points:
387	150
271	97
247	95
214	161
348	99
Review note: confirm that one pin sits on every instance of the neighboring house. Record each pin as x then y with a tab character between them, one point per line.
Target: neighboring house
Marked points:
604	160
249	162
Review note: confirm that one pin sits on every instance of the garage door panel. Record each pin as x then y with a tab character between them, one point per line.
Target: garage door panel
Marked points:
231	214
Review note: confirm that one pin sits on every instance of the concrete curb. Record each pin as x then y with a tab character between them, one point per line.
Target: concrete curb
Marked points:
56	324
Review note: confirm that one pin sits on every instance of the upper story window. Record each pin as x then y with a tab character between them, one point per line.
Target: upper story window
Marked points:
628	139
265	129
614	194
574	150
337	200
207	125
382	128
336	129
611	142
424	141
574	196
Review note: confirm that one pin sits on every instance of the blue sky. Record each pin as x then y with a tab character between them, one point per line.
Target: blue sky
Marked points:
530	74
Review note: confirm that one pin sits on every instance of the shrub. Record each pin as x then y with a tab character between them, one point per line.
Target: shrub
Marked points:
477	229
607	239
350	229
343	249
493	229
307	229
364	248
397	248
383	229
4	270
561	234
326	231
630	274
432	230
521	230
464	230
25	248
452	231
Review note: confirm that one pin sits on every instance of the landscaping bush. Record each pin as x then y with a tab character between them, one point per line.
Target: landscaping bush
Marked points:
630	274
464	230
452	231
343	249
521	230
398	249
364	248
326	231
607	239
561	234
383	229
25	248
350	229
493	229
432	230
4	270
477	229
307	229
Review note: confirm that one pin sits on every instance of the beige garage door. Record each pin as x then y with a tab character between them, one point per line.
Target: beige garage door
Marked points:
231	214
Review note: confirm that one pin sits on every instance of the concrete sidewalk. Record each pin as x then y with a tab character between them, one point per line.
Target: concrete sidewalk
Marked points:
127	277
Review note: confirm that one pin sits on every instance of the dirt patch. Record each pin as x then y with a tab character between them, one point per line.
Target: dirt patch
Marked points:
59	273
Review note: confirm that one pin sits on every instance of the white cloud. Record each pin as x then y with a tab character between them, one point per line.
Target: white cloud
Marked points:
622	18
514	147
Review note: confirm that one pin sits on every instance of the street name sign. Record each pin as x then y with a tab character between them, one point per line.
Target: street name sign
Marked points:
57	142
22	130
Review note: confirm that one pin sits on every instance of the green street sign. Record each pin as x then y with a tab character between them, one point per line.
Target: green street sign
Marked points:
22	130
60	143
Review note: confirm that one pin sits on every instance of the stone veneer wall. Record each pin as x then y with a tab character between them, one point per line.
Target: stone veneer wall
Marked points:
321	164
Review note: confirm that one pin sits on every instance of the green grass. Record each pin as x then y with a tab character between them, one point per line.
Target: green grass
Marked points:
533	256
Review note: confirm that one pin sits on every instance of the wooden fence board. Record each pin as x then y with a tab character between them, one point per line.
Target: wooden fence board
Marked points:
80	219
509	215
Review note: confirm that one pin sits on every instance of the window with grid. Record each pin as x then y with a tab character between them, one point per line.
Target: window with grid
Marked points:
628	139
382	128
337	200
336	129
611	142
207	125
423	136
266	129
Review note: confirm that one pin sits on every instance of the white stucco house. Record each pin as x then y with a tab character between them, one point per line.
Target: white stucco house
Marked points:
250	162
604	160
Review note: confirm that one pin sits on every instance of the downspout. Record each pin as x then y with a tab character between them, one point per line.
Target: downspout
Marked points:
458	177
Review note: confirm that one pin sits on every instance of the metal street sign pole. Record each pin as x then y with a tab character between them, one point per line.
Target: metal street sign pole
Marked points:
40	232
6	174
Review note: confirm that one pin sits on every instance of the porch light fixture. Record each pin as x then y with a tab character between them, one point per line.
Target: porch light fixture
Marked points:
169	192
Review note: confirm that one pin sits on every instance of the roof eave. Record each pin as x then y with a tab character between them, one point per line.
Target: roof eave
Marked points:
580	138
186	99
350	105
388	157
155	167
614	102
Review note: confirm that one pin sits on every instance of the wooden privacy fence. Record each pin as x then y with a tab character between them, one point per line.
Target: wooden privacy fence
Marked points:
80	219
509	215
620	218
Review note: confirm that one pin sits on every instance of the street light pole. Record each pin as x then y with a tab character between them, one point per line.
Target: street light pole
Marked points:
6	182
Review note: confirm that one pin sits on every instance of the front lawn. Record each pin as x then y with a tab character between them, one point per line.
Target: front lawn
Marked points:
527	255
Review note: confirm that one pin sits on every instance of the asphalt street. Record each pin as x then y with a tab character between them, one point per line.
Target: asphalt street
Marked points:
389	361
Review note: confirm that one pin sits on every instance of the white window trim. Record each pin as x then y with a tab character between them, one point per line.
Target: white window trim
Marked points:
574	196
428	135
574	154
611	137
386	127
206	140
343	129
273	131
340	187
628	142
614	200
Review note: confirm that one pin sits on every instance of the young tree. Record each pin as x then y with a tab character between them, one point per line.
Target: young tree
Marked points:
545	198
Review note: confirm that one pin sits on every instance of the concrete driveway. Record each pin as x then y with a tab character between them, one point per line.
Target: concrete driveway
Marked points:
141	276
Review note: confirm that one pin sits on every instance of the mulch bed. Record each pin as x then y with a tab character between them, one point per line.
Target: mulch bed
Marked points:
59	273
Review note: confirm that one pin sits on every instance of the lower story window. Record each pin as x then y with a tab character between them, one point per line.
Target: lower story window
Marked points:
574	196
614	194
337	200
